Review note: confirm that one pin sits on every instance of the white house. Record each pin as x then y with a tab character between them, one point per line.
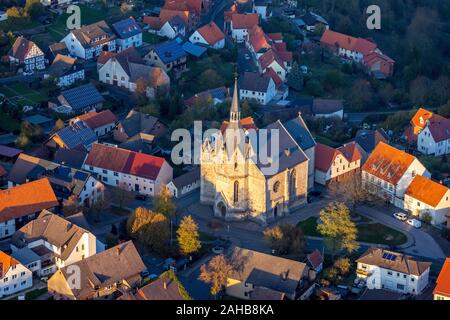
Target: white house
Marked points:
335	165
241	24
129	34
102	122
442	289
426	197
134	171
257	87
89	41
434	139
388	172
209	35
14	276
66	70
185	183
127	70
327	108
172	28
55	240
271	60
27	54
383	269
347	46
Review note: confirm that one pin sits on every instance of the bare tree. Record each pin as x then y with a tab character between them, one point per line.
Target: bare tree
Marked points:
121	195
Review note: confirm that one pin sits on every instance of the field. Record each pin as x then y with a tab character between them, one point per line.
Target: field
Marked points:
22	95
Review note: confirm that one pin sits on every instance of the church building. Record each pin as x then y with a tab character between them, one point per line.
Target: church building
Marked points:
238	184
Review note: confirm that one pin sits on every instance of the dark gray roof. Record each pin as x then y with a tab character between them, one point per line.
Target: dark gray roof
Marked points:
38	119
70	157
267	271
300	132
137	122
25	256
126	28
369	139
76	135
253	81
137	144
187	178
327	106
311	18
83	96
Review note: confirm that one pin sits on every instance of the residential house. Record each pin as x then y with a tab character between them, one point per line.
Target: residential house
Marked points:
27	54
417	124
56	241
89	41
315	260
426	198
299	131
260	270
257	87
29	259
14	276
217	95
78	100
367	140
171	28
72	186
138	172
128	70
20	204
66	70
128	33
241	24
191	10
388	172
102	122
103	275
76	136
138	124
209	35
335	165
442	289
55	49
184	184
70	157
359	50
312	21
434	139
392	271
167	56
261	7
326	108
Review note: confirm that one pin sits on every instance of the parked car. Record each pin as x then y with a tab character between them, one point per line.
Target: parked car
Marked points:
217	250
247	56
141	197
400	216
415	223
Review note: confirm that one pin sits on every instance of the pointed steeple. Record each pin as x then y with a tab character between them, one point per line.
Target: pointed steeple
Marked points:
235	114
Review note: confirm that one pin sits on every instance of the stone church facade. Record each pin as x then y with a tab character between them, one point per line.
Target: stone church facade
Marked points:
239	188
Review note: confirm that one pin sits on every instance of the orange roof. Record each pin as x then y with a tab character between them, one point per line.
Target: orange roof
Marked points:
211	33
388	163
6	262
244	20
154	22
191	5
26	199
443	281
332	39
258	39
96	119
166	14
105	56
246	123
426	190
421	117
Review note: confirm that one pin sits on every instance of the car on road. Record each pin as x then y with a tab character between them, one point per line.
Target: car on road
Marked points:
414	222
141	197
217	250
400	216
247	56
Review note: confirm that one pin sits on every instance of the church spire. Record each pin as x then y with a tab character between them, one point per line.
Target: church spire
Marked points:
235	114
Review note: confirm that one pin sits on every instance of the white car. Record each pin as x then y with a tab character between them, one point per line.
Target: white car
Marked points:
414	222
400	216
247	56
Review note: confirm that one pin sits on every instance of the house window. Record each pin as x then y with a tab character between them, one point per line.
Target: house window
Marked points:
276	186
236	192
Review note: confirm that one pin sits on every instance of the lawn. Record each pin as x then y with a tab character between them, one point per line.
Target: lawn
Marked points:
326	141
8	124
372	233
33	295
152	38
22	95
18	24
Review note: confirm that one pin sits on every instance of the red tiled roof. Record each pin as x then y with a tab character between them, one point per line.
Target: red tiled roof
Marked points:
6	262
105	56
211	33
190	5
388	163
124	161
350	152
375	57
26	199
268	58
325	156
244	20
165	15
439	128
245	123
315	258
426	190
443	281
275	77
21	47
258	39
98	119
155	23
276	36
332	38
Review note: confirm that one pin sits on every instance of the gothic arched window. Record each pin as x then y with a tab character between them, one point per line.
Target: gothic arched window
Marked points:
236	192
292	183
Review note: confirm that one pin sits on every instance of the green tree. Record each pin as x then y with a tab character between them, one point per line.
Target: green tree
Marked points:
34	8
295	77
163	203
216	273
338	229
444	110
188	236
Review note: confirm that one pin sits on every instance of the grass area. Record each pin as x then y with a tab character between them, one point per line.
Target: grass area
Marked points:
436	165
8	124
18	24
152	38
326	141
33	295
22	95
372	233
